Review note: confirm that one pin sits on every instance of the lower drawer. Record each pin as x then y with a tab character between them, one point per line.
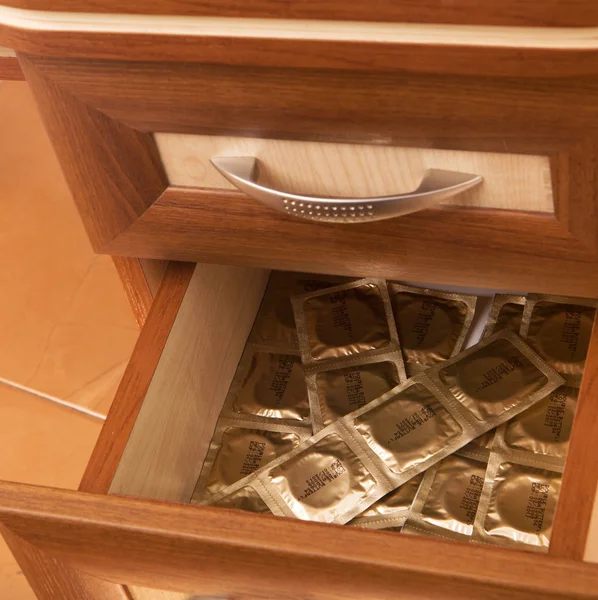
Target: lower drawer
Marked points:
152	448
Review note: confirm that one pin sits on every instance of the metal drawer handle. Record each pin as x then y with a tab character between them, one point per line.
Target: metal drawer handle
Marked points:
436	185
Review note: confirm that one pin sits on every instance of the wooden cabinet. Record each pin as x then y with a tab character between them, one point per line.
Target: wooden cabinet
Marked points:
333	99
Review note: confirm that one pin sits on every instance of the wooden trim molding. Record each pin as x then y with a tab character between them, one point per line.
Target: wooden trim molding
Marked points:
140	280
552	13
426	110
288	42
185	222
180	548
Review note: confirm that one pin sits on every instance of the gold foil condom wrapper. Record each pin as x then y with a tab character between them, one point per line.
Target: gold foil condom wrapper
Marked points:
558	328
431	324
545	428
447	501
323	480
239	448
275	323
334	393
269	384
496	376
349	465
247	499
347	322
485	440
518	504
408	429
390	511
506	313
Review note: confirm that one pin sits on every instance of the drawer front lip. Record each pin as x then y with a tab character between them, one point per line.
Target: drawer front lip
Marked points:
578	13
215	551
546	51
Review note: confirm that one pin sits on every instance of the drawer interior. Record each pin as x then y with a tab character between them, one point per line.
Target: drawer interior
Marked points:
170	429
171	435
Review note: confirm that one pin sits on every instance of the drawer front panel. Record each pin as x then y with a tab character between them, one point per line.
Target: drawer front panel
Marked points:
532	224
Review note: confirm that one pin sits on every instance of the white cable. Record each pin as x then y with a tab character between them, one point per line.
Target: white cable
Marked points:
65	403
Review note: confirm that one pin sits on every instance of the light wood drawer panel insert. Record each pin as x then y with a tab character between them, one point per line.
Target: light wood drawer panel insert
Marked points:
511	181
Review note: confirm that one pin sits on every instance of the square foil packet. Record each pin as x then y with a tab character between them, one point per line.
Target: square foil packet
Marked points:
518	502
558	328
431	324
447	501
275	322
269	385
348	322
337	391
238	448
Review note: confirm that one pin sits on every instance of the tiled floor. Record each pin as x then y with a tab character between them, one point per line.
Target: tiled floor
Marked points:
66	329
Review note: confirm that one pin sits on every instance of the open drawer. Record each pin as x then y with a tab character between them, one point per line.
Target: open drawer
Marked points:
152	448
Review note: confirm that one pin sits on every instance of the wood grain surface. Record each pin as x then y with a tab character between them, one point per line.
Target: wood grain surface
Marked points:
173	427
140	280
130	396
121	174
52	579
511	181
551	13
448	51
479	248
153	271
9	65
229	553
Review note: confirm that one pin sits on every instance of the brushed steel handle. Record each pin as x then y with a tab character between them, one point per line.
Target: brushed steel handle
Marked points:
436	185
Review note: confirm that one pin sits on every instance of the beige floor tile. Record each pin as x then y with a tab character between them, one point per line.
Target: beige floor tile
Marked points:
13	584
67	329
44	444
